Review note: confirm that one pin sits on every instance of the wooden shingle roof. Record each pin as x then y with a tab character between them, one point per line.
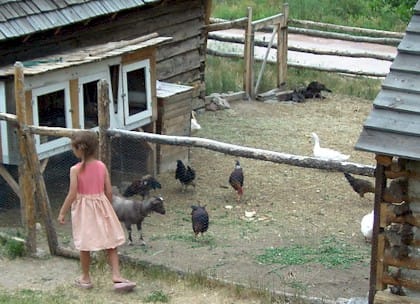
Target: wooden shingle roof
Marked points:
24	17
393	125
76	57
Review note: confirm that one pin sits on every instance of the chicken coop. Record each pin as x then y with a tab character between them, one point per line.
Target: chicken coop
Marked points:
67	47
174	118
392	133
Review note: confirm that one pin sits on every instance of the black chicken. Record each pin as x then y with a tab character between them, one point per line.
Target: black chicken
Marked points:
185	175
236	180
142	186
199	219
361	186
314	89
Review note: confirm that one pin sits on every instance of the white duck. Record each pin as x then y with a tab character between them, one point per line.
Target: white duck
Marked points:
366	226
194	123
326	153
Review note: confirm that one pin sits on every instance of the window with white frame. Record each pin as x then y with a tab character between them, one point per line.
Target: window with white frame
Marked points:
88	100
51	108
137	91
3	125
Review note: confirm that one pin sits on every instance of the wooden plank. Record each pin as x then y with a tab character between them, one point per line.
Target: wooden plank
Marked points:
184	110
410	44
402	82
414	25
408	63
385	297
378	141
177	48
74	102
183	103
394	121
400	101
177	65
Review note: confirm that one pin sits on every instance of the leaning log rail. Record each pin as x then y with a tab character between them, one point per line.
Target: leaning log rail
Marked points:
226	148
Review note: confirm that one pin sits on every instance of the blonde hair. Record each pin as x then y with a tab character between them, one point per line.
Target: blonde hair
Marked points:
87	142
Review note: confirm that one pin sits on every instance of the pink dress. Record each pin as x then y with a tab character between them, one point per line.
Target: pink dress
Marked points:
94	222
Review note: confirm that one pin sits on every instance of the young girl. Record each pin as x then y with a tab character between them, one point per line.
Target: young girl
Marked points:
94	222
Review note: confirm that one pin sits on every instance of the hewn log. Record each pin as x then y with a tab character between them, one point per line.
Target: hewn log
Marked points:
347	37
401	281
241	22
26	182
269	21
347	29
364	54
41	194
296	65
385	297
104	122
52	131
236	150
9	117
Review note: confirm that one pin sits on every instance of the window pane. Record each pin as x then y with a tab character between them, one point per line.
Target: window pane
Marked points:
51	111
90	104
136	85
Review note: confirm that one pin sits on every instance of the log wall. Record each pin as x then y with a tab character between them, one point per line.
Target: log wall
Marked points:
396	250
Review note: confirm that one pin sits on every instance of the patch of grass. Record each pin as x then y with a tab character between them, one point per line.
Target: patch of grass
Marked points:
201	241
157	296
330	253
230	78
12	249
377	14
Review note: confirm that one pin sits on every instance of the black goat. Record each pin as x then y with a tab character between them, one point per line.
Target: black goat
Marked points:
132	212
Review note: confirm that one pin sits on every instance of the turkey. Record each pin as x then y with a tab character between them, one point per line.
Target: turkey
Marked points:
185	175
326	153
360	186
199	219
236	180
142	186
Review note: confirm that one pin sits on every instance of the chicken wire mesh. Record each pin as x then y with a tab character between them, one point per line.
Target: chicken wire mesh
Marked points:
129	161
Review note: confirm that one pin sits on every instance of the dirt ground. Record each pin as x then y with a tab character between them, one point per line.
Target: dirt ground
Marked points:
293	206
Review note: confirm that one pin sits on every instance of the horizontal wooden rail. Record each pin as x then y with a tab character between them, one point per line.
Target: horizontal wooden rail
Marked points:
346	29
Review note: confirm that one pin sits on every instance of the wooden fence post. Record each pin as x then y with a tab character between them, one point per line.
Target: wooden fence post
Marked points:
103	122
25	178
282	33
249	56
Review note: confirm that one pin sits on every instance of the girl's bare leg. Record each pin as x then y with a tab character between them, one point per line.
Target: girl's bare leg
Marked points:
85	264
114	262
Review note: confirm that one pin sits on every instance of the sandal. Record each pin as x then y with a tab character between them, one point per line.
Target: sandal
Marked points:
83	285
124	285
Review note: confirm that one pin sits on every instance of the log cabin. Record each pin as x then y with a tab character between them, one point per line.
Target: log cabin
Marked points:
392	133
148	51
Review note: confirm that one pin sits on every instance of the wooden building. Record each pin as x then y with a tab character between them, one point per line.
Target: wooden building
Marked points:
66	46
392	133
